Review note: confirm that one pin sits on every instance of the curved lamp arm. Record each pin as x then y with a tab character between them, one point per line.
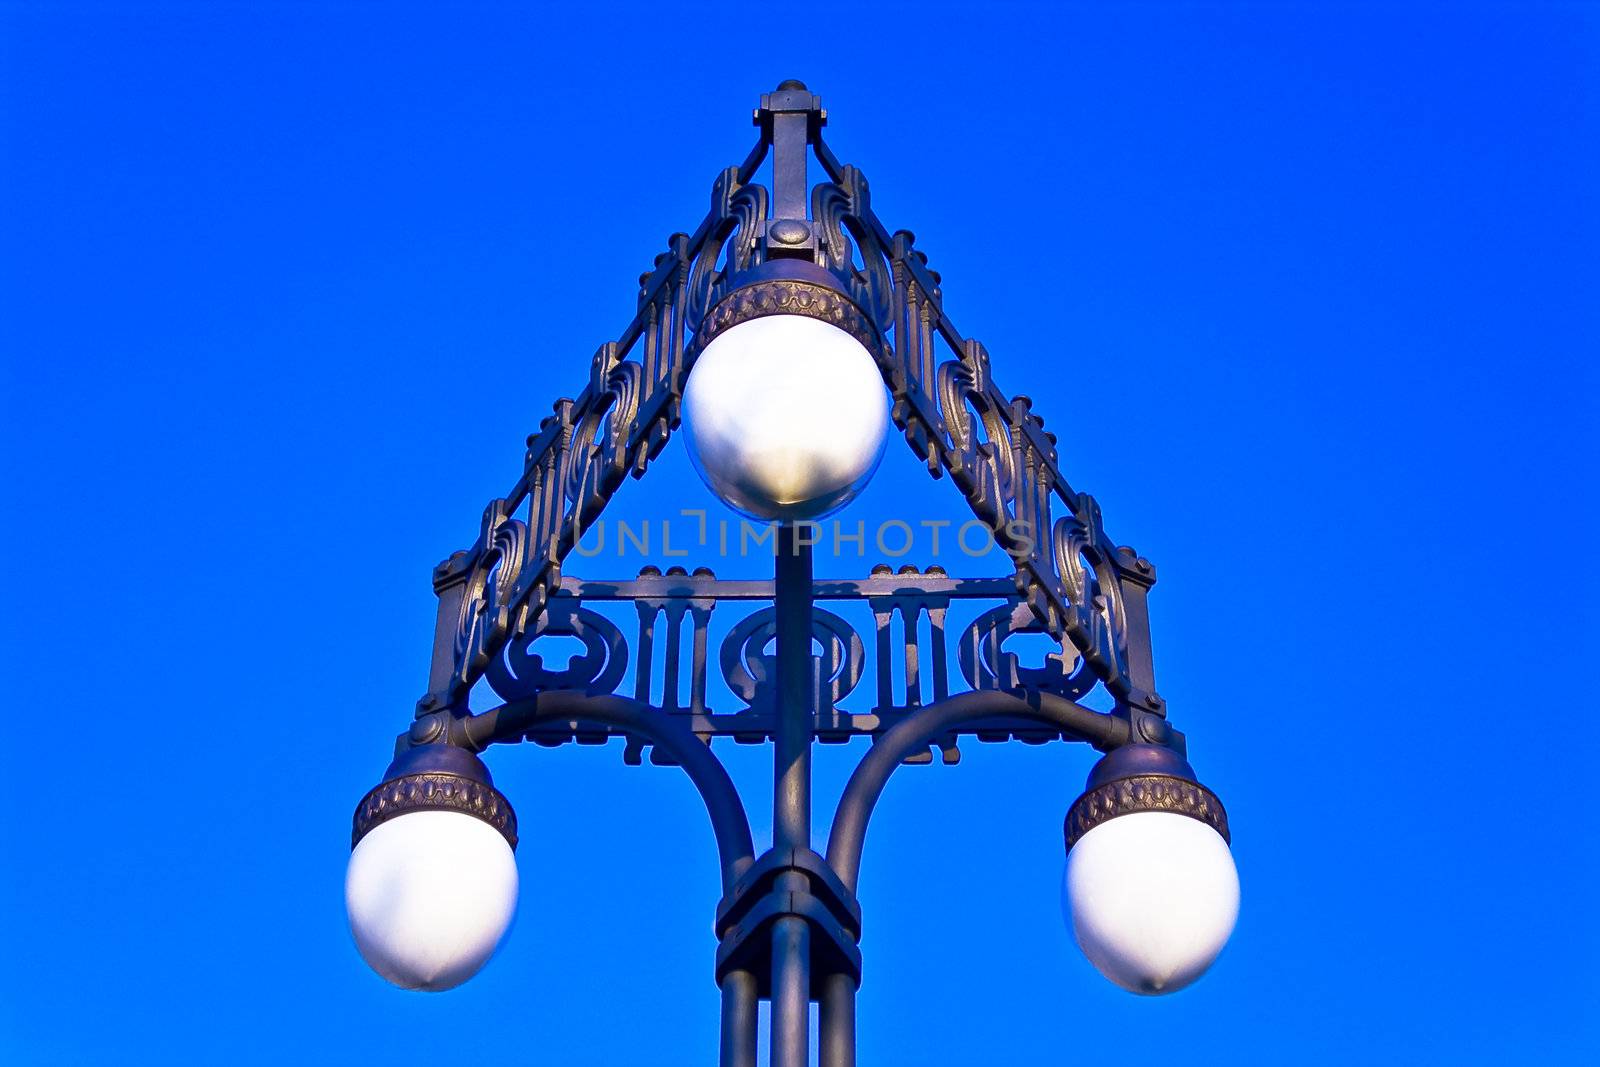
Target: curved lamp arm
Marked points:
729	823
920	729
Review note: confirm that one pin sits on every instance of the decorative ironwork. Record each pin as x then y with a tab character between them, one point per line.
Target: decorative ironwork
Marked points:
732	244
434	792
751	671
520	671
789	297
488	598
842	216
1069	575
911	662
986	665
1154	792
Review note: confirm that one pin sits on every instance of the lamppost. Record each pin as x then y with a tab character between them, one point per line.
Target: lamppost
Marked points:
786	340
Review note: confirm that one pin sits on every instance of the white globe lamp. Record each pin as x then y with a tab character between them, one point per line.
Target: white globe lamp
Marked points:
431	887
1150	892
785	410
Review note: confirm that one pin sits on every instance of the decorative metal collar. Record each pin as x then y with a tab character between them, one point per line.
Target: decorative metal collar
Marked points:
432	791
788	287
1149	792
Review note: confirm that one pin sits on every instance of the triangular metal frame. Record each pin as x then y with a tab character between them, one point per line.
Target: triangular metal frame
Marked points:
1078	585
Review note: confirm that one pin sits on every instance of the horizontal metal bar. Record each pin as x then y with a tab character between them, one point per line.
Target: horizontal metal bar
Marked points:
705	586
758	727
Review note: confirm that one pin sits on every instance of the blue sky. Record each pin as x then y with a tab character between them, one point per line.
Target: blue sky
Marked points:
1306	291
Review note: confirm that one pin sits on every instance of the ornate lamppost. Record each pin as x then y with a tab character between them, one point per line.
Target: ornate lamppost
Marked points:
786	334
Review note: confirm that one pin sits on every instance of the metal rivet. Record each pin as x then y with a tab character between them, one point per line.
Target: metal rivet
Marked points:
789	231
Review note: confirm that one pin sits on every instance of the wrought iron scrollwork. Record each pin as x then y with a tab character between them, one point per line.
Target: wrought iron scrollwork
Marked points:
600	443
488	606
520	672
1073	580
1000	457
840	213
1094	615
738	211
986	664
883	653
981	457
751	671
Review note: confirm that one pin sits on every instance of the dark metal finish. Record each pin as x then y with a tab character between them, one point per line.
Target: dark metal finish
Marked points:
1143	777
789	925
791	801
836	1026
789	287
1068	575
434	777
433	792
782	884
740	1017
791	798
1127	796
915	659
1136	759
791	992
514	722
916	732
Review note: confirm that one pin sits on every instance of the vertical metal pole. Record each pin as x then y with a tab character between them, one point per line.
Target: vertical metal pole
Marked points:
836	1028
791	799
791	134
740	1011
791	811
791	997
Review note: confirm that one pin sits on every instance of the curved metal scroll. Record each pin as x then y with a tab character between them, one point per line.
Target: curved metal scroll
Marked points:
985	663
509	722
737	213
840	211
918	730
489	598
520	672
752	672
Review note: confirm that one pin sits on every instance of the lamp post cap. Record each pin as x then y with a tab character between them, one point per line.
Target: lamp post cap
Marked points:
438	759
1137	760
791	83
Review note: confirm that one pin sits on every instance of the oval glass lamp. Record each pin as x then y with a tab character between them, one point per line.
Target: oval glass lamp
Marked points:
786	417
1151	898
431	888
1150	891
430	896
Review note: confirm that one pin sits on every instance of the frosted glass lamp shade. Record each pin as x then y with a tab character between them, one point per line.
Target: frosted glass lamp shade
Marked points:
786	417
430	894
1151	897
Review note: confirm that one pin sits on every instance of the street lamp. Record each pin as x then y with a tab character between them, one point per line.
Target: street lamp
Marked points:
786	334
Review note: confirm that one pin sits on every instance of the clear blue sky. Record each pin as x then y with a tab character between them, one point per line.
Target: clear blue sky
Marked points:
1307	291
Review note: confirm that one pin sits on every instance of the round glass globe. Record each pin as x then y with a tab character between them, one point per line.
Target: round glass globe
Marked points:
786	417
430	895
1151	897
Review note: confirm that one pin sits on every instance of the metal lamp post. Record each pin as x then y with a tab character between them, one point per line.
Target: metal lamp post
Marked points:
792	291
